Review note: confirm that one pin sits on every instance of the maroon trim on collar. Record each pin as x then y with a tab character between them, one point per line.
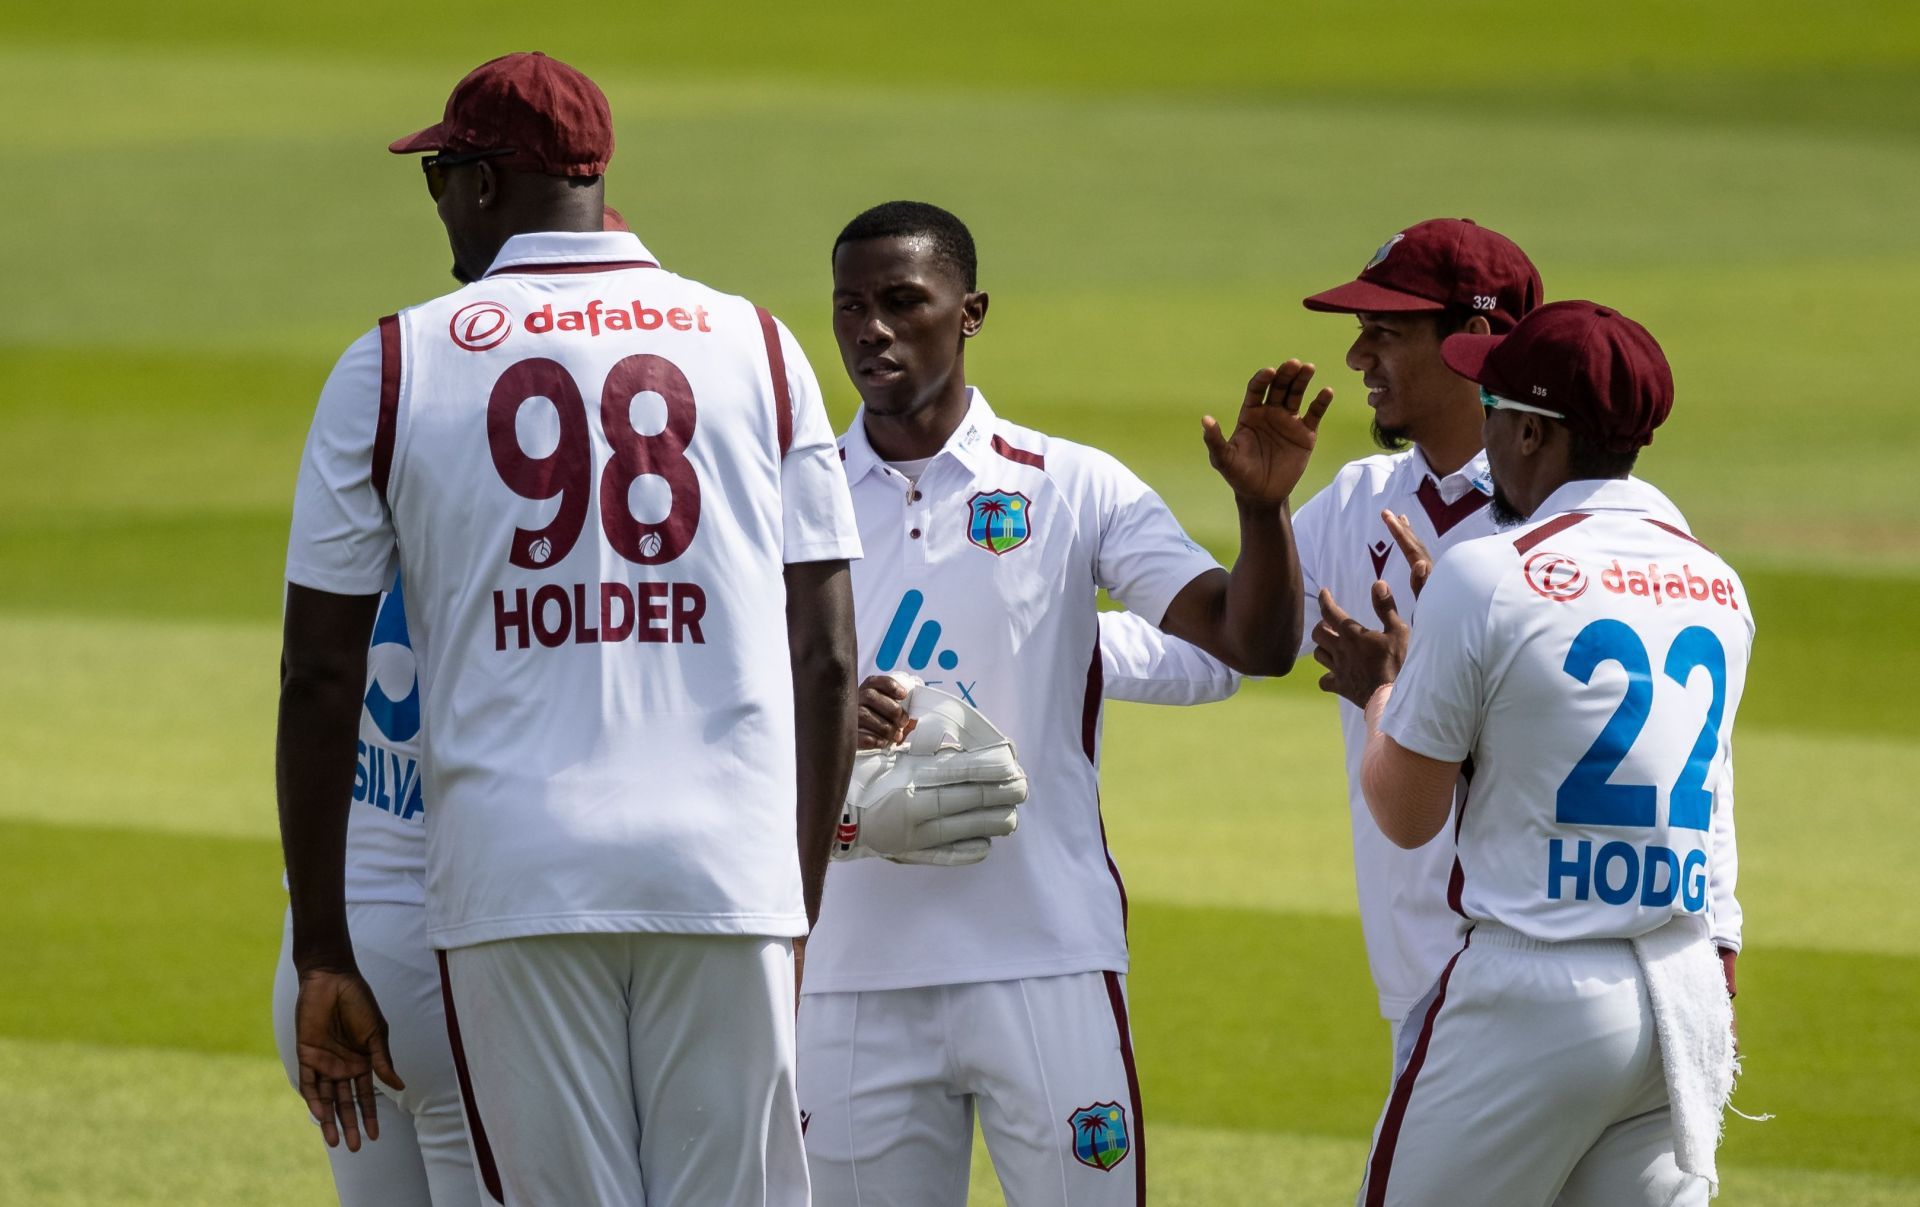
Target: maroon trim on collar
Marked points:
782	398
1682	533
1018	454
561	270
1446	516
389	417
1548	530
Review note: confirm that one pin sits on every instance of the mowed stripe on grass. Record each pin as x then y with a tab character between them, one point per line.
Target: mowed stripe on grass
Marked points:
1247	1022
1140	270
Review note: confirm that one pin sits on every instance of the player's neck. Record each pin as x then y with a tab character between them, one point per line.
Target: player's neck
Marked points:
921	432
1456	440
1448	451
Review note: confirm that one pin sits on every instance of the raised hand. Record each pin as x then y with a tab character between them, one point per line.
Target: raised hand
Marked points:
341	1039
1419	561
1272	440
1359	660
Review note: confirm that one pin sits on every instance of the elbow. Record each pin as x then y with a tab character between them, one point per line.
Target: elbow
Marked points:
1271	656
1399	810
825	667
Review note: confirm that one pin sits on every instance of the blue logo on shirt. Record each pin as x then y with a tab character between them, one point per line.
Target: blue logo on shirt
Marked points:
399	719
924	643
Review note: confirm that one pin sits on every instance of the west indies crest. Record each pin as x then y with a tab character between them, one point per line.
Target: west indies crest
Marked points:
999	521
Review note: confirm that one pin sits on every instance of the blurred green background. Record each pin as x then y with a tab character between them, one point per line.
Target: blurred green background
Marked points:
197	214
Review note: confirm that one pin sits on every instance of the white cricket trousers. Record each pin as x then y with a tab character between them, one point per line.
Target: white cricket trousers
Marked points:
1530	1075
421	1158
891	1079
631	1070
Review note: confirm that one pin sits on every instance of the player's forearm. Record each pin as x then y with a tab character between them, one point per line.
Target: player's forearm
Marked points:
323	678
821	645
313	774
1261	611
1408	794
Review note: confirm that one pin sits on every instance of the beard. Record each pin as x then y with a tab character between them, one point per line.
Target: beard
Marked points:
1504	513
1390	439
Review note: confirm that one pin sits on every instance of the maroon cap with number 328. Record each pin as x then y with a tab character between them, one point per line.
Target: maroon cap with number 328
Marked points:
1439	263
555	119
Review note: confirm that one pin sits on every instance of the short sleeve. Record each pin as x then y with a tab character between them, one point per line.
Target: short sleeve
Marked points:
342	536
1440	697
1145	558
1143	664
1309	538
816	506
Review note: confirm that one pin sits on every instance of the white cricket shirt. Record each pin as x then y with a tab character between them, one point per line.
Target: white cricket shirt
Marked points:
1147	666
386	825
1590	664
1410	930
594	472
981	579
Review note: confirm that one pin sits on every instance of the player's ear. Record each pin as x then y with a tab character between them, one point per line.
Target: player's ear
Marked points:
1477	325
1533	433
486	186
973	314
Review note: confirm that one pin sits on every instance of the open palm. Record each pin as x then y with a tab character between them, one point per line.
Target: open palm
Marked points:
1272	439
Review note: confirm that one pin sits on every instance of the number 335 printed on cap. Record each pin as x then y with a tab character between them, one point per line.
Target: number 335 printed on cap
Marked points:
567	471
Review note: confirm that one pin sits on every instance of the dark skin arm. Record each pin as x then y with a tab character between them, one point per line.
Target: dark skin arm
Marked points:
340	1035
1250	618
821	645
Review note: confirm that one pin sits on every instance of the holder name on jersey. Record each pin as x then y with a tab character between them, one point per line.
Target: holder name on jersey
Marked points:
589	613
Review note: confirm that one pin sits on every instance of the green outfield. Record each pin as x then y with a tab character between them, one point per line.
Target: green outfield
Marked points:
199	213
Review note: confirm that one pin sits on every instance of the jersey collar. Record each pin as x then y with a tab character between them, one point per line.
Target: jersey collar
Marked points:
577	251
969	444
1607	494
1454	486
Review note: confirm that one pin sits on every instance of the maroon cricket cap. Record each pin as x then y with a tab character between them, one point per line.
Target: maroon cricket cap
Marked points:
610	219
1439	263
555	119
1586	361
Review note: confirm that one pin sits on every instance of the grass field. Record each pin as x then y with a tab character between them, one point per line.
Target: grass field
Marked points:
199	214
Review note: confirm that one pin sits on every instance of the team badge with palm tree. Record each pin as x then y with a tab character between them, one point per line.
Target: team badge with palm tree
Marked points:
1100	1135
998	520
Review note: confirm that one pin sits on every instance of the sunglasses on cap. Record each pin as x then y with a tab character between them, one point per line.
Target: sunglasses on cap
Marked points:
434	166
1493	402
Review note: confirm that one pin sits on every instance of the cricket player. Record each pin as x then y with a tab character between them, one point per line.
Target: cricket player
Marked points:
1427	491
422	1158
1583	671
999	987
624	537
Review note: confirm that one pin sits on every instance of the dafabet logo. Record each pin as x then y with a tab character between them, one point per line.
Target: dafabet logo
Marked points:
478	326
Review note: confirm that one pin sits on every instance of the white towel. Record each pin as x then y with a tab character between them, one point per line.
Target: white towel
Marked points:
1694	1021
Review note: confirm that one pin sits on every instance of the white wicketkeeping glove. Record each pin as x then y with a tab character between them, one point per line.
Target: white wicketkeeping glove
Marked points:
941	796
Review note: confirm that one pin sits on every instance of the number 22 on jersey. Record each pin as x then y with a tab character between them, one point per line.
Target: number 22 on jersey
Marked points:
1586	796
